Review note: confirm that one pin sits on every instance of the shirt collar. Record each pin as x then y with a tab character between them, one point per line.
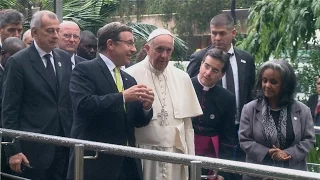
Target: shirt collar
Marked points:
41	51
73	61
108	62
231	50
205	88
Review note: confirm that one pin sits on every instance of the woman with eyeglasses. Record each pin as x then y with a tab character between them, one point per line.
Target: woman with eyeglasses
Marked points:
275	129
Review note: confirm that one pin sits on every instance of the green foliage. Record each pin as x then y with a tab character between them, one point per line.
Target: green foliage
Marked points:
281	27
193	16
88	14
314	157
307	66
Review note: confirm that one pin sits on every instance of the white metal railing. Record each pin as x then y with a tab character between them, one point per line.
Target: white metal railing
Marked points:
196	162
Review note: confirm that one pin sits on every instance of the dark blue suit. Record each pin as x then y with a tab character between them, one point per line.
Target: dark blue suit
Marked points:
99	116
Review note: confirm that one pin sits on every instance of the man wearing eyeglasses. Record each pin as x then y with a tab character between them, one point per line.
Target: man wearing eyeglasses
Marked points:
108	105
175	103
69	39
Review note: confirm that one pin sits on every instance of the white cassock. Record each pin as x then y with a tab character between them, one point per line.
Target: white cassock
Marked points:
170	129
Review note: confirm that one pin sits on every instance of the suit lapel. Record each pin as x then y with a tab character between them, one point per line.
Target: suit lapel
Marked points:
241	71
107	74
296	118
124	80
38	65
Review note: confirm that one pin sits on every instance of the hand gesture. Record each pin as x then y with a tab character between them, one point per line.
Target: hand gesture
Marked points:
138	93
148	100
16	160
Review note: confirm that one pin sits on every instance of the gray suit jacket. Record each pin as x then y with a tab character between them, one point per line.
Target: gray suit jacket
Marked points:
256	147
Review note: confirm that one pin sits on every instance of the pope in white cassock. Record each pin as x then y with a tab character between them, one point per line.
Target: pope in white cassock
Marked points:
175	103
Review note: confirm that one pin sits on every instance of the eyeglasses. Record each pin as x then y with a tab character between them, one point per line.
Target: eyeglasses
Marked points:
129	43
69	36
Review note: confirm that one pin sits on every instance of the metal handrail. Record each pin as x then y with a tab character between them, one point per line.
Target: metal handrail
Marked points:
208	163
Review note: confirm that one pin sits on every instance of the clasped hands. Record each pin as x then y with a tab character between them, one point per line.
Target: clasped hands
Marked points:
278	154
139	93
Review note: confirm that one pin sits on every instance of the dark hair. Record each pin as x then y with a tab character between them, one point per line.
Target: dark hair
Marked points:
219	55
86	35
288	81
110	31
10	16
222	20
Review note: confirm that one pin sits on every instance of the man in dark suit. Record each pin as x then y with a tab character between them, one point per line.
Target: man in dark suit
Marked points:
88	45
11	22
240	77
108	105
9	47
36	98
314	104
69	39
215	129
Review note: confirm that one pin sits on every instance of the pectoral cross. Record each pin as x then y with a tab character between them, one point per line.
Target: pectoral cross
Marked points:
163	116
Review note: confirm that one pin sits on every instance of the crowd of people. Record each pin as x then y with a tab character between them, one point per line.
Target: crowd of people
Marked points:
59	80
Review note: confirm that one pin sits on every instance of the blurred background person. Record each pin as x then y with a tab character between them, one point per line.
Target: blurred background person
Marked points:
275	129
27	38
9	47
88	45
314	104
69	39
10	24
141	55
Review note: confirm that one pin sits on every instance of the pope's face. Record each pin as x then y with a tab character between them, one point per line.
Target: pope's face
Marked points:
159	51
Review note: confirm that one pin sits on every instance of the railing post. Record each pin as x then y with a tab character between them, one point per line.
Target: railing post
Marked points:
195	170
78	161
1	154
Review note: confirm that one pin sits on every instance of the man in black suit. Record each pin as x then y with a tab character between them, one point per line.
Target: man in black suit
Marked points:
314	104
11	22
108	105
240	77
36	98
214	130
88	45
9	47
69	39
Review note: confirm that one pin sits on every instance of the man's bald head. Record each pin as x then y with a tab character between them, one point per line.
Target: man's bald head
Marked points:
9	47
69	36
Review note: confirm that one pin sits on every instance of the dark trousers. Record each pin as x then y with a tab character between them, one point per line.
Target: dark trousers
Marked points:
129	170
56	171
